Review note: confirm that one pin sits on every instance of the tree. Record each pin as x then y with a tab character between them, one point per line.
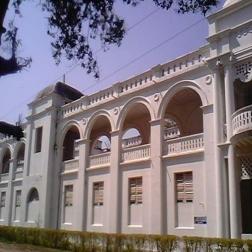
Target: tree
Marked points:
73	23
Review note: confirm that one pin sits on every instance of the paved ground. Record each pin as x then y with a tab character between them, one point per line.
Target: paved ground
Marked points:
5	247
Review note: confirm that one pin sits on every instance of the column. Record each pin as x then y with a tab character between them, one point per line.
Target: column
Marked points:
233	178
229	97
9	195
115	184
157	196
218	159
81	190
234	194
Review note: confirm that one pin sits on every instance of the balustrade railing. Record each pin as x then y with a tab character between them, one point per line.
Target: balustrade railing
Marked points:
20	165
133	141
4	177
18	174
242	120
99	159
150	77
70	165
185	144
172	132
136	153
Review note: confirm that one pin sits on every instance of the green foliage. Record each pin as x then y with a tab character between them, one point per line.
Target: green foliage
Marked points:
100	242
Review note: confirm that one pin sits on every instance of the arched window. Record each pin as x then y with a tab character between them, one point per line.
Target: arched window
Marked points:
69	146
99	135
33	206
100	145
20	157
185	108
6	162
34	196
171	128
131	137
136	126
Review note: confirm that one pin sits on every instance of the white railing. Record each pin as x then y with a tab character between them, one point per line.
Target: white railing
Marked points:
20	165
136	153
172	132
99	159
185	144
242	120
18	174
70	165
145	79
133	141
4	177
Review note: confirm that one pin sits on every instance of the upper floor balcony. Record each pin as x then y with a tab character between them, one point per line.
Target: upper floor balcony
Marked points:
242	120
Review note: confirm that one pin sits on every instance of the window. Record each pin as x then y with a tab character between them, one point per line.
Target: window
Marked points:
18	198
98	193
184	187
33	195
38	141
3	198
68	195
135	190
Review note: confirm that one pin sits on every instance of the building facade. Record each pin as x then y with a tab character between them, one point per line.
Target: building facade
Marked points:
168	151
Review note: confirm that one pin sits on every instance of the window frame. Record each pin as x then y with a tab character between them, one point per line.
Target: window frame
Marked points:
184	186
38	139
135	190
68	195
98	193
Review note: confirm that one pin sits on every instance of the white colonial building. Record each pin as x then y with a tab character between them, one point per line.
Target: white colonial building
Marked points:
168	151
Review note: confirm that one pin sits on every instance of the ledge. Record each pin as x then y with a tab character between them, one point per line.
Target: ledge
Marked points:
187	153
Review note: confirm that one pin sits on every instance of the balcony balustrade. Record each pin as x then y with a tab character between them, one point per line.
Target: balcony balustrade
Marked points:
130	142
18	174
99	160
4	177
20	165
242	120
70	165
185	144
172	132
136	153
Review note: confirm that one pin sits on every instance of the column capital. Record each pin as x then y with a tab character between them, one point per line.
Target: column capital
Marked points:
158	121
82	141
220	61
114	133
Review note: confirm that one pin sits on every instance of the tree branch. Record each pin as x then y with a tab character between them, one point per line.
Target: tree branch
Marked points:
3	9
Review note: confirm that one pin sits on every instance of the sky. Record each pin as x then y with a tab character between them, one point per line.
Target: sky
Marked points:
154	36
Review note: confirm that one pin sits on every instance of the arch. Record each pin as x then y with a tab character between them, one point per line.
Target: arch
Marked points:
5	160
175	89
68	125
69	143
33	195
129	105
17	148
33	206
93	119
19	154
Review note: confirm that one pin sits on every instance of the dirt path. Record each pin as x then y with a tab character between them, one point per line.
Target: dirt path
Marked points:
6	247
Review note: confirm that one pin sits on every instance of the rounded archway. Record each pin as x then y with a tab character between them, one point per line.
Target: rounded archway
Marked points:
6	161
33	206
70	151
183	114
99	135
135	128
20	157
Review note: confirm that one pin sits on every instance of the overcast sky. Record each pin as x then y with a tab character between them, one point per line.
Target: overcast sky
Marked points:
150	27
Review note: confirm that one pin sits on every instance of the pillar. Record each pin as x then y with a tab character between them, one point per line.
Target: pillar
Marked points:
233	178
218	159
115	184
81	208
157	195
